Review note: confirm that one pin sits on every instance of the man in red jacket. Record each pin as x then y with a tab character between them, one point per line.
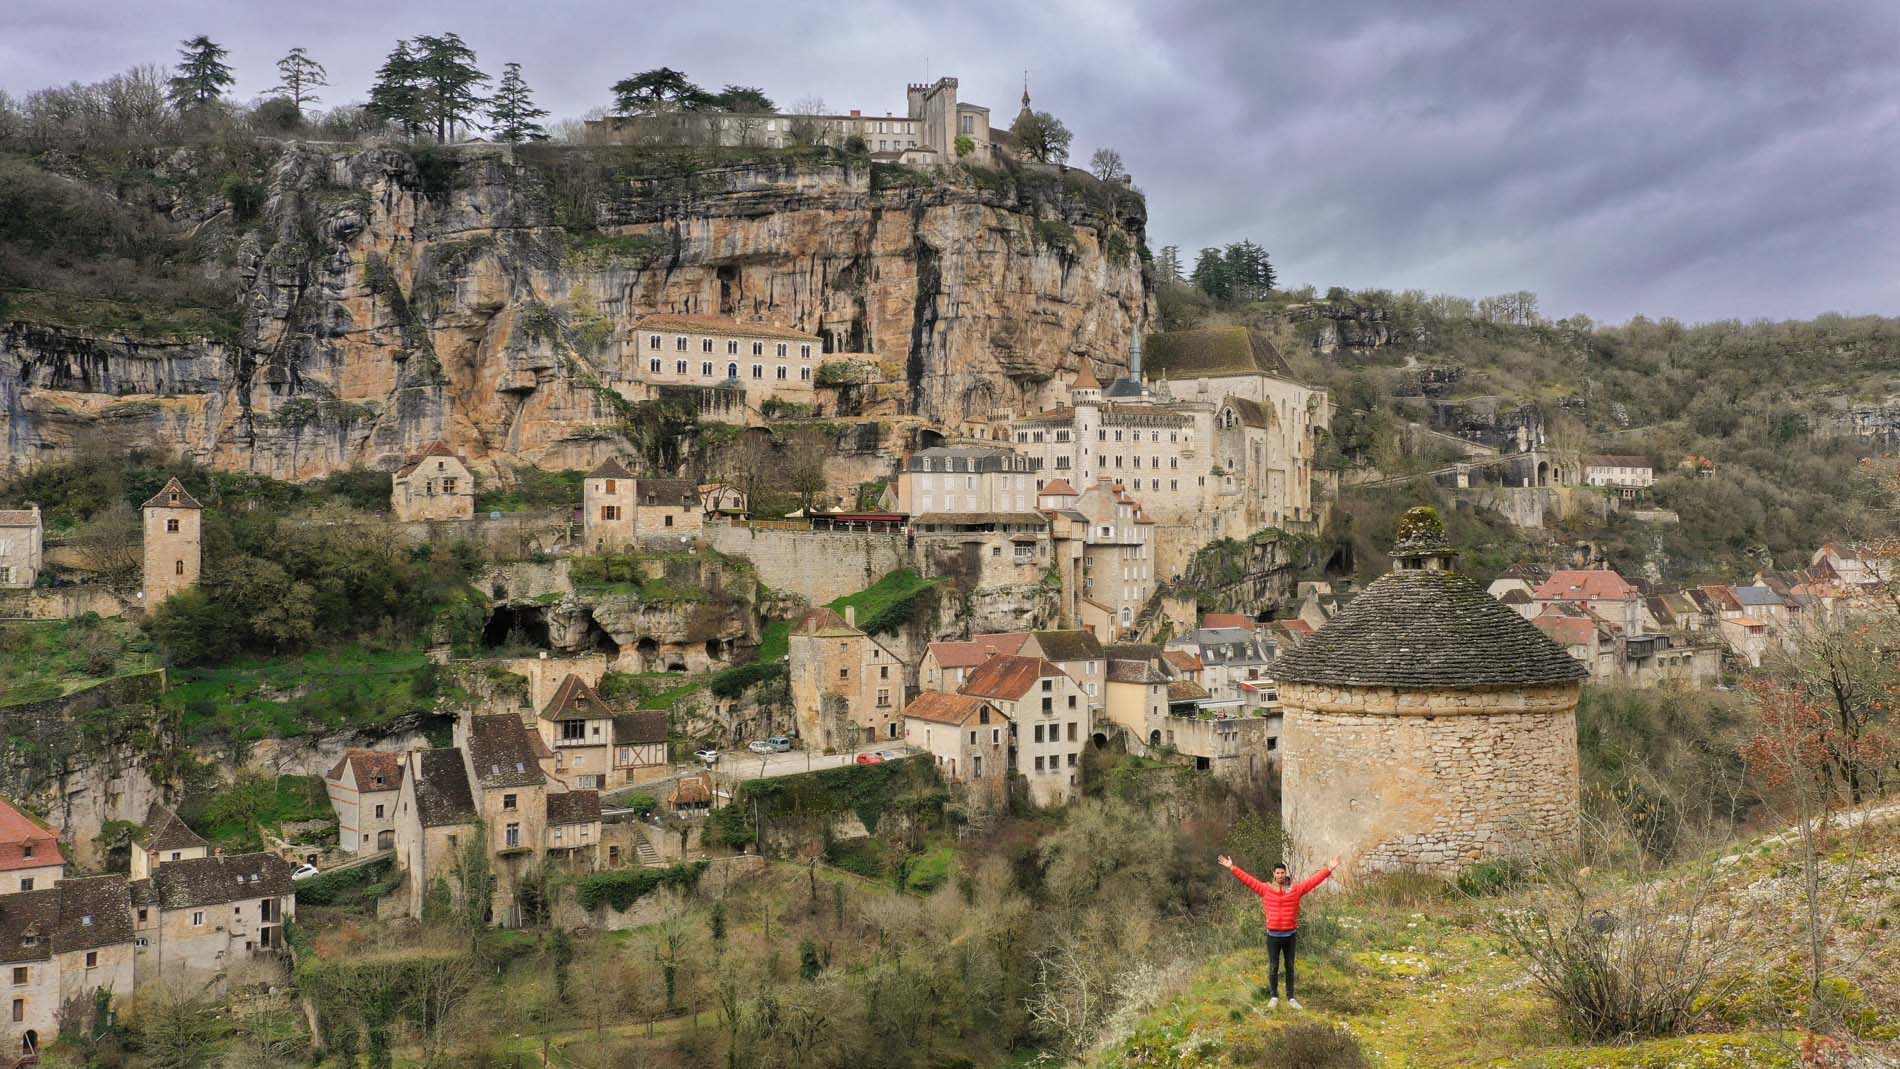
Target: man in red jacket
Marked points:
1280	902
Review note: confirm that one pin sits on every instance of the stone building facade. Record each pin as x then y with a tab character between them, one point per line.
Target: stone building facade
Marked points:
1427	727
437	485
22	542
847	687
607	503
174	543
364	787
970	741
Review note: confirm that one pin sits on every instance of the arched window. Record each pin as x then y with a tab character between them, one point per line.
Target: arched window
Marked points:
732	371
179	569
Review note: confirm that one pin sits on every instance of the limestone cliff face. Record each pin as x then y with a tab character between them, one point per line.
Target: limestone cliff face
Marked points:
484	295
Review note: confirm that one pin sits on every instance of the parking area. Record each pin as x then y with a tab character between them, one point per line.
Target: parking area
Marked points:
744	764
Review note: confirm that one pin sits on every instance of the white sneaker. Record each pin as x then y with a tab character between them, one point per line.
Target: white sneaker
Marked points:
1273	1003
1293	1003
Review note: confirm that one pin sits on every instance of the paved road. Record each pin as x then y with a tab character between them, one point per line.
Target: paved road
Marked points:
744	764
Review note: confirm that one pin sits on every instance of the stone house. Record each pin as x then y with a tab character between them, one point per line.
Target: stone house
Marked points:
639	745
1600	590
1428	727
970	740
573	830
364	787
578	727
434	485
1137	698
173	547
1074	650
167	839
1628	476
1104	553
667	509
435	820
945	665
510	791
1050	712
199	916
691	796
1583	637
1229	656
847	687
22	546
59	944
607	499
966	480
727	368
30	858
723	500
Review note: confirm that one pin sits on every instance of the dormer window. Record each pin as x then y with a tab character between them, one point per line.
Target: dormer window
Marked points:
27	850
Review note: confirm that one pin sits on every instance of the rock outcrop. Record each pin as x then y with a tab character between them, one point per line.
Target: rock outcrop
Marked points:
484	295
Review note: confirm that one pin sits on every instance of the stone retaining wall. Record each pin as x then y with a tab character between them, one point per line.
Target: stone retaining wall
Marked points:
1429	780
818	566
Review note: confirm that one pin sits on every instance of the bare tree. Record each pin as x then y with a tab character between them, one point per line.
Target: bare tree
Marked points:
1073	998
1106	165
806	127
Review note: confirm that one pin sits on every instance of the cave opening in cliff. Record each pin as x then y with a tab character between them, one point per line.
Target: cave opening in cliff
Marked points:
715	650
649	652
598	640
513	626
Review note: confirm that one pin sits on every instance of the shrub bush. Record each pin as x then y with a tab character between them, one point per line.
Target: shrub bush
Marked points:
1491	877
621	888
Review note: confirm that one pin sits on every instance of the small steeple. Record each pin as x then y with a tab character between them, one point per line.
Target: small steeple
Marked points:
1025	89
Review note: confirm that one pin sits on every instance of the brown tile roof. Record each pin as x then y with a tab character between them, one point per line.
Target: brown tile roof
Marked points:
948	708
1250	412
372	770
1186	690
19	518
210	881
639	729
691	790
1085	378
501	752
1132	651
667	493
1058	488
574	807
96	911
1585	585
1213	351
1182	660
436	449
1003	642
1427	629
172	496
823	621
441	786
1566	630
27	920
1068	645
165	831
1063	414
1227	619
1007	677
1131	671
610	469
19	831
575	700
725	328
958	654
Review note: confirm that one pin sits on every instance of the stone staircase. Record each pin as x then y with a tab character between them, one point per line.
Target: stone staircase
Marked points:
643	849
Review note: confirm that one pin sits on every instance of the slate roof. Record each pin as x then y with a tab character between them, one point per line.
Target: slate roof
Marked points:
18	831
1123	387
211	881
1227	645
725	328
575	700
947	708
1068	645
1250	412
1427	629
436	449
1008	677
1132	651
667	493
441	786
373	771
1757	595
27	920
574	807
172	496
165	831
639	729
96	911
611	468
501	752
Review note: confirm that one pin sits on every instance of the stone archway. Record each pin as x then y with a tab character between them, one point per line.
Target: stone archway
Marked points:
1543	473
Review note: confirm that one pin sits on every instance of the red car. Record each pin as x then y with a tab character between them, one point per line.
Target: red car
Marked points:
869	759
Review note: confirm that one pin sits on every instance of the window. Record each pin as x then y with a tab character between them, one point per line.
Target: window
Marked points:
705	368
26	883
732	371
680	344
448	486
679	367
805	351
573	731
509	801
610	512
176	855
1071	731
1040	762
1038	732
171	526
92	959
19	1009
758	371
512	835
653	365
732	348
379	812
178	568
19	975
198	919
781	372
804	374
1071	760
758	348
666	521
653	341
782	348
706	345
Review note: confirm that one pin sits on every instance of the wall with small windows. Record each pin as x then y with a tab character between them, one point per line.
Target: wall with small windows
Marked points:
711	354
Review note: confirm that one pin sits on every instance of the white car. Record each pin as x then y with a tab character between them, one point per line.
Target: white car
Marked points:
711	757
303	871
760	746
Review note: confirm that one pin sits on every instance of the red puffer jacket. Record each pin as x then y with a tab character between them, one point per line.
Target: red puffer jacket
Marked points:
1281	908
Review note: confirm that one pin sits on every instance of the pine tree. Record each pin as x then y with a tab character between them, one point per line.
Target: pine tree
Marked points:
1168	263
511	112
1249	271
397	98
202	74
298	74
1213	276
450	83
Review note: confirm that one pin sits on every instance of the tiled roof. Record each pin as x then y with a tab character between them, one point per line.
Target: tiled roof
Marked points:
441	786
1132	651
725	328
1033	519
1567	630
1186	354
96	911
1186	690
1226	619
639	729
436	449
574	807
1182	660
1757	595
667	493
1584	585
1085	379
1515	596
1427	629
19	518
610	469
1003	642
210	881
575	700
372	770
1130	671
946	708
1722	598
825	622
501	752
165	831
692	790
1250	412
1613	461
958	654
1062	414
18	831
1008	677
1058	488
172	496
1068	645
27	920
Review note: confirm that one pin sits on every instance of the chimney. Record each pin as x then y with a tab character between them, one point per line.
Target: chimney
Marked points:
856	114
851	616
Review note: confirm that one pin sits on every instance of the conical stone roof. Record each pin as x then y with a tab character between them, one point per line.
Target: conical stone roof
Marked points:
1427	629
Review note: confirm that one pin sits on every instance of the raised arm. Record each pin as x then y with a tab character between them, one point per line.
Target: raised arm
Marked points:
1241	874
1316	879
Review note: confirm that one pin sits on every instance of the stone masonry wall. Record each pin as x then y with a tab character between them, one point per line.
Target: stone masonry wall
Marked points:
1429	780
818	566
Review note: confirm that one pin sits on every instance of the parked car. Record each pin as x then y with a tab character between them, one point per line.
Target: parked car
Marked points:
869	759
780	743
711	757
303	871
889	755
760	746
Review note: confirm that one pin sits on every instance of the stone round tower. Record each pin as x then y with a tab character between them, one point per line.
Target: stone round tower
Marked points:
1427	726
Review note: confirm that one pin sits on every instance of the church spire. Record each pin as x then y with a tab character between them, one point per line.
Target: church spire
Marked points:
1025	90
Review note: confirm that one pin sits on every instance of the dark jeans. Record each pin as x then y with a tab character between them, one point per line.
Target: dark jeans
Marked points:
1280	947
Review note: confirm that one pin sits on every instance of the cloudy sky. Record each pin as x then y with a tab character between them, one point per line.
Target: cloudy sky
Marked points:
1713	159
